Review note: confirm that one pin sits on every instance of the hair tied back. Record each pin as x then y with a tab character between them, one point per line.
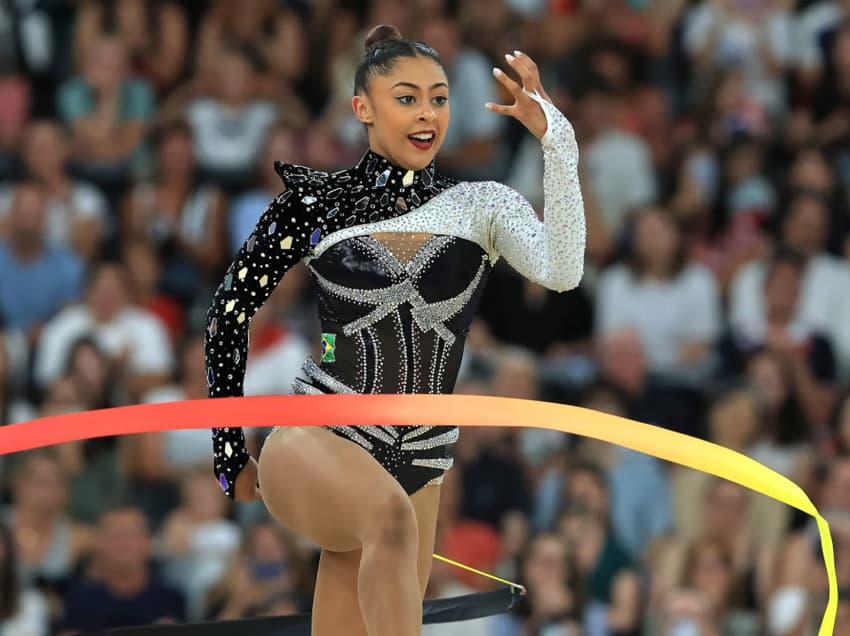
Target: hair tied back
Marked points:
380	34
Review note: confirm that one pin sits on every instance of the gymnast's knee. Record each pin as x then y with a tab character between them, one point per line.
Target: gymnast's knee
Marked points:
391	524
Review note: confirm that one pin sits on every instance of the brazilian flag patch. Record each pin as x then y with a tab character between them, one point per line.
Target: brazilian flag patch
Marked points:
328	347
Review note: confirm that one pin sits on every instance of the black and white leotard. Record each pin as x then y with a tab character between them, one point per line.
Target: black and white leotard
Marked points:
399	260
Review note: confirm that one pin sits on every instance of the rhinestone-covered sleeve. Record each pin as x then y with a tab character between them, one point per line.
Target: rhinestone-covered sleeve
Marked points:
551	252
276	244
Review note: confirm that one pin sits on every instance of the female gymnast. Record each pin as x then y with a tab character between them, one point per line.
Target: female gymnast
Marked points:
399	255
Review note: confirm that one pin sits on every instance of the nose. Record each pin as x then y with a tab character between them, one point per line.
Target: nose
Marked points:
427	114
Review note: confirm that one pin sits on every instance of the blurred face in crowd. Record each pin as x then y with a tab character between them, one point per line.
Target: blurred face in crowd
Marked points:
767	376
443	35
842	617
106	66
40	487
836	488
546	562
810	171
516	377
656	241
725	511
622	360
27	219
268	557
281	145
733	420
413	99
142	265
108	294
176	155
781	292
202	499
806	225
124	541
584	488
45	150
90	367
236	79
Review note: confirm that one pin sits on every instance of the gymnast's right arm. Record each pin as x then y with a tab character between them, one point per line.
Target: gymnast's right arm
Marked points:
272	249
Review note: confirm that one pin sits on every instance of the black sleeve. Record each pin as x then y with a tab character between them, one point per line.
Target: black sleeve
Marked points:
279	241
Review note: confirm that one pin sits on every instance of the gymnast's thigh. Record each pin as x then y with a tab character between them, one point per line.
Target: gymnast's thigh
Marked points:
324	486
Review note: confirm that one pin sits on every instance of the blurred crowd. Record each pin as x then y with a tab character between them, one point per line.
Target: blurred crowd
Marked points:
136	147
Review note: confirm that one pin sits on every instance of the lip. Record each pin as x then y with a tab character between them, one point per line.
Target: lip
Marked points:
419	145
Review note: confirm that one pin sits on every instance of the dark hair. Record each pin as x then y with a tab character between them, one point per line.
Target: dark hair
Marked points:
835	419
384	46
635	262
785	255
9	591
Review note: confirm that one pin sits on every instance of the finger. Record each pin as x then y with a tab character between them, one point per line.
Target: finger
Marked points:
530	66
508	83
500	109
525	74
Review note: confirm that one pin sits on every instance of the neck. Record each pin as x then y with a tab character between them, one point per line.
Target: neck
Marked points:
125	581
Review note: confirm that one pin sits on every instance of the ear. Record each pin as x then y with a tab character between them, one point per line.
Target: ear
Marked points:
362	109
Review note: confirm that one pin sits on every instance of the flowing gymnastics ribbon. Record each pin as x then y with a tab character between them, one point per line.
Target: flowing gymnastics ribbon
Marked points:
436	410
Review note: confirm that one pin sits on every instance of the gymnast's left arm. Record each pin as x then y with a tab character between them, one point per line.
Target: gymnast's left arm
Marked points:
550	252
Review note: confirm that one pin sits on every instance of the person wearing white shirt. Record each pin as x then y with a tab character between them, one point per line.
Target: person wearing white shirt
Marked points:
673	305
133	337
824	303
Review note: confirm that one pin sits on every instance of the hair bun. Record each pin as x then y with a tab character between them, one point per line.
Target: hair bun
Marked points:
382	33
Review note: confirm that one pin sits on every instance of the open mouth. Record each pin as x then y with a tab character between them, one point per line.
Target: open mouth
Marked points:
422	140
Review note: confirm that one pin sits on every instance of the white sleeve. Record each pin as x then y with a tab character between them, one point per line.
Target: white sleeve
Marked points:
551	252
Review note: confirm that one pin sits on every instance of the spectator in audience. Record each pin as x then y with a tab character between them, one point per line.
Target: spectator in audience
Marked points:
554	602
270	34
230	122
121	589
269	564
38	278
281	144
805	227
806	353
472	147
673	305
156	462
197	541
617	163
76	216
155	32
49	546
753	36
144	270
182	219
23	610
107	111
786	438
134	339
612	589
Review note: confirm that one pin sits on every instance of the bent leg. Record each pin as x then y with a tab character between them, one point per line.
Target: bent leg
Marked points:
333	492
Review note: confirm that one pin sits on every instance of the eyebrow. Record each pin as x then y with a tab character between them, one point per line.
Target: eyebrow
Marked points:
411	85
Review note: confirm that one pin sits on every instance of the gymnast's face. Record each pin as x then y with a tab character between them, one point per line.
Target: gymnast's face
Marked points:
406	112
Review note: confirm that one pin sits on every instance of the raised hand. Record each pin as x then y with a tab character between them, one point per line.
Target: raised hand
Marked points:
524	109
